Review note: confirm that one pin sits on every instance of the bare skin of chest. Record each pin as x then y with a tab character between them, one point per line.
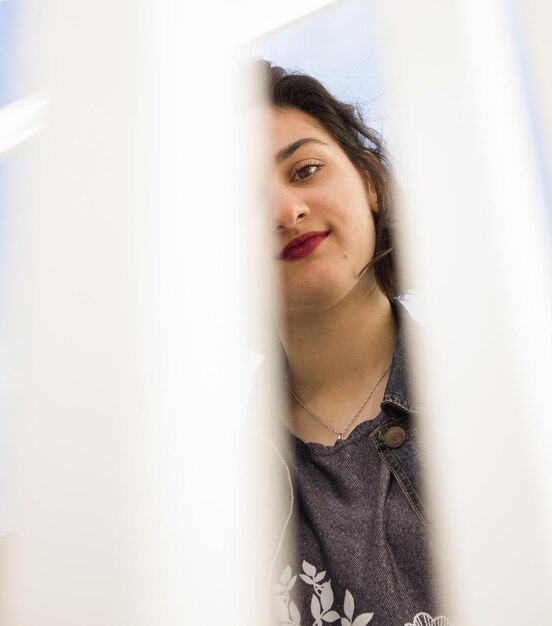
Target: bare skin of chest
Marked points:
336	410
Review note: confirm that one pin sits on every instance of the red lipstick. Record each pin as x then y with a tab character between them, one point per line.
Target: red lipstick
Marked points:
303	245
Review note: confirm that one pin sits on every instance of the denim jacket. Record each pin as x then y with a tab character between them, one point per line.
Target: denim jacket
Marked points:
405	460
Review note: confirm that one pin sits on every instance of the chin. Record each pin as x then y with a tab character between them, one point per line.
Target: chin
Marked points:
317	297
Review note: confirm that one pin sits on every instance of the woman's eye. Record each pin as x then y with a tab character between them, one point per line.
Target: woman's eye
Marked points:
306	171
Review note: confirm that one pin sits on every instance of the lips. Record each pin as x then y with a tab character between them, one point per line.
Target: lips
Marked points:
303	245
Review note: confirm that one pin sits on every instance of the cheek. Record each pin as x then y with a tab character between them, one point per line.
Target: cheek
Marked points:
359	225
354	204
364	244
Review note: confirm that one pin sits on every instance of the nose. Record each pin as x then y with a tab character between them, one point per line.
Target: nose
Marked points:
290	209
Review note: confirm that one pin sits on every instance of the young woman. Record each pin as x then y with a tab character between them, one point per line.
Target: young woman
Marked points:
358	524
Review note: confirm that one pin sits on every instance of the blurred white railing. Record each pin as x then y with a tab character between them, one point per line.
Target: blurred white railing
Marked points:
477	236
130	313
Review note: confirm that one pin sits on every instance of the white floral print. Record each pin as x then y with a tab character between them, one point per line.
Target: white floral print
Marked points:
349	608
322	600
424	619
286	611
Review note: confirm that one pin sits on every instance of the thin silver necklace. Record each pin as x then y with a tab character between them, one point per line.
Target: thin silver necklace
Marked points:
341	432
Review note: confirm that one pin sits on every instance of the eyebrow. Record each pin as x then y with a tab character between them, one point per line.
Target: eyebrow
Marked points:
286	152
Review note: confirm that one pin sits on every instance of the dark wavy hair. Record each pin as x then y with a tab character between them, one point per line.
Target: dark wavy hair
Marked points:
364	147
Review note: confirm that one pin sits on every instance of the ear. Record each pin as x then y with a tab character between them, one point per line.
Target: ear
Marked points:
370	186
372	195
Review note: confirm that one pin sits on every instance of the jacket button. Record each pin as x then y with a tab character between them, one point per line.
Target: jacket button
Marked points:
394	437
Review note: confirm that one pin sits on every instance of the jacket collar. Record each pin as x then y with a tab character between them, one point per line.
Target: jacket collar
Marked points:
398	393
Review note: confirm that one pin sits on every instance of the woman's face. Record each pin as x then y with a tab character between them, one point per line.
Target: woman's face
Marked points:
322	212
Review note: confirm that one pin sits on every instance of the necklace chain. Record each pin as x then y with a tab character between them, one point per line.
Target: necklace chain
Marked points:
341	432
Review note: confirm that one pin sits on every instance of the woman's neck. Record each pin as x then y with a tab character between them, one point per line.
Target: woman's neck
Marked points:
334	358
340	349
